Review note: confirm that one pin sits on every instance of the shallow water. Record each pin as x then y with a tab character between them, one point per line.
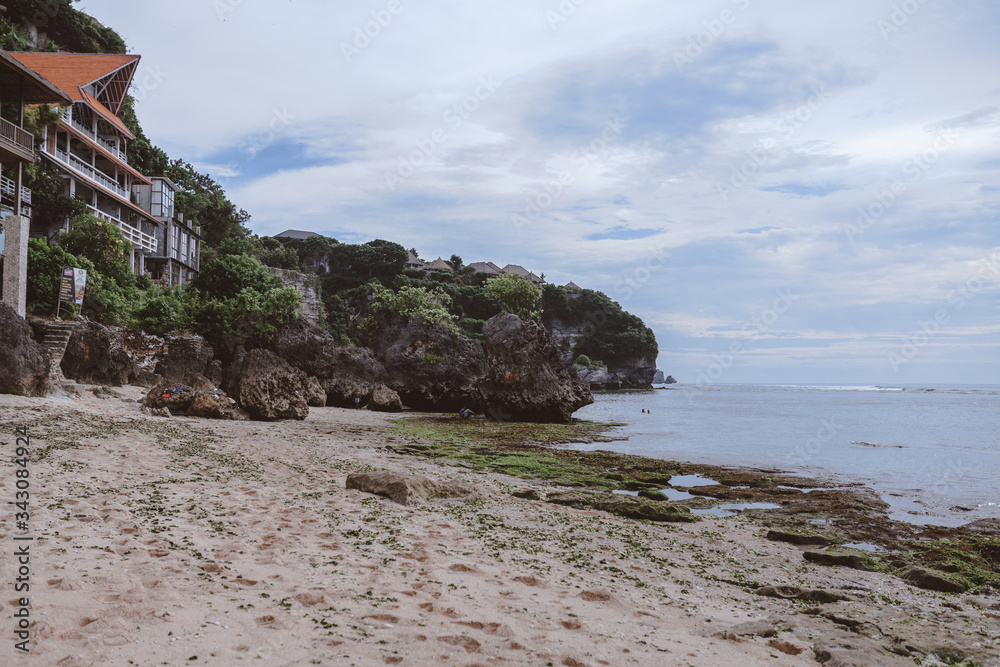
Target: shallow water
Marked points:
928	451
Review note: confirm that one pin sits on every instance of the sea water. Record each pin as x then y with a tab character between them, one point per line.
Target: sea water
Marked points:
932	452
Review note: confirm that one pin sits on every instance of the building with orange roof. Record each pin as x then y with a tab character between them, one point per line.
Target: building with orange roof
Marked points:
89	146
19	85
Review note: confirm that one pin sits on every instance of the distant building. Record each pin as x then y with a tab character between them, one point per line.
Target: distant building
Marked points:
438	265
517	269
573	288
412	261
295	234
489	268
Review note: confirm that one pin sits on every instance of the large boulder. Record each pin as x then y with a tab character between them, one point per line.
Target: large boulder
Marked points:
201	400
24	363
528	379
342	372
267	386
432	367
96	354
182	358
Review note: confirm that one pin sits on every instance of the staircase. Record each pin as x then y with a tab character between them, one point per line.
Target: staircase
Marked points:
56	338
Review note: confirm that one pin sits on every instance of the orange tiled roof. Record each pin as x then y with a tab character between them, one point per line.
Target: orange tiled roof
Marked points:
71	72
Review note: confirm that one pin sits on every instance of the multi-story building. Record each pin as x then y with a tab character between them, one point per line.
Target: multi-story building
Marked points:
89	144
19	85
177	258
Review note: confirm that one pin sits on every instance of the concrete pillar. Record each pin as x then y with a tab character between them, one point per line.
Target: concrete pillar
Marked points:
15	262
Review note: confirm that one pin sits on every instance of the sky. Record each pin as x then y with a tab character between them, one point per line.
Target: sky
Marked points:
784	191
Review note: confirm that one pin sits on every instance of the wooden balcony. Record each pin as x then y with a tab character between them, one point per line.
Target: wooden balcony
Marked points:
16	145
86	170
137	238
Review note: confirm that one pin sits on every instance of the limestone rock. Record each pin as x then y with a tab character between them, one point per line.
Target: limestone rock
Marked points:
431	367
315	394
96	354
174	396
385	400
24	363
798	537
628	507
343	372
933	580
820	596
406	489
183	357
527	378
267	386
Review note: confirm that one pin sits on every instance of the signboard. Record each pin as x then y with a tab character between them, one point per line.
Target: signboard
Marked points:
72	285
67	288
80	282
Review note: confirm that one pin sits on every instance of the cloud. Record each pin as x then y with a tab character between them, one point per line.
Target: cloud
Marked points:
796	149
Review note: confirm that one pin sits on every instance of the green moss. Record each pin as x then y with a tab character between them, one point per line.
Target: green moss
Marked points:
528	451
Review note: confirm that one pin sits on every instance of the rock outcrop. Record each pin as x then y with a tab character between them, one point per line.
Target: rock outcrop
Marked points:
24	363
305	285
527	378
267	386
634	373
432	368
342	372
182	358
201	400
96	354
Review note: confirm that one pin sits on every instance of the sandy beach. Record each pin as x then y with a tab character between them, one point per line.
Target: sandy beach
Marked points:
181	541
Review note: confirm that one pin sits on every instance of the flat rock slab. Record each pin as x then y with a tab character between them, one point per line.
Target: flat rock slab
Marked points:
819	596
932	581
628	507
406	489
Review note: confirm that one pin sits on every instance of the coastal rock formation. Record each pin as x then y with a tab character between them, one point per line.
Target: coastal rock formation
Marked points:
385	400
96	354
629	507
342	372
406	489
181	358
267	386
634	373
528	379
201	400
431	367
24	363
315	394
305	285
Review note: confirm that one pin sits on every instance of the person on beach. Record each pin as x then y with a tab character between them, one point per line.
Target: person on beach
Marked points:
466	413
357	401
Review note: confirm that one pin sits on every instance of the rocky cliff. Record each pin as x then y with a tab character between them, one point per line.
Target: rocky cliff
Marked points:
632	373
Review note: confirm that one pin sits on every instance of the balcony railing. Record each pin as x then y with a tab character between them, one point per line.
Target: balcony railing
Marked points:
87	170
14	135
138	238
7	186
111	148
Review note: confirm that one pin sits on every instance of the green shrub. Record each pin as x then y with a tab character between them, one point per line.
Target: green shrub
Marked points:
516	295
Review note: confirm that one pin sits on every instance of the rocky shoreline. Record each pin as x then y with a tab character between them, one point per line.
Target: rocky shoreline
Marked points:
161	539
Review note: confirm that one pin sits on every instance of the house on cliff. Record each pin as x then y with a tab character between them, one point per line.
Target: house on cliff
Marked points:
19	85
88	146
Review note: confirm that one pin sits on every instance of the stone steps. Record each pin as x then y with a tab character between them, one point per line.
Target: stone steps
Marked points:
56	338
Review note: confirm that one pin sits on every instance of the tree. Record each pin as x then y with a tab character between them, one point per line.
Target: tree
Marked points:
456	263
429	306
225	276
517	295
100	242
